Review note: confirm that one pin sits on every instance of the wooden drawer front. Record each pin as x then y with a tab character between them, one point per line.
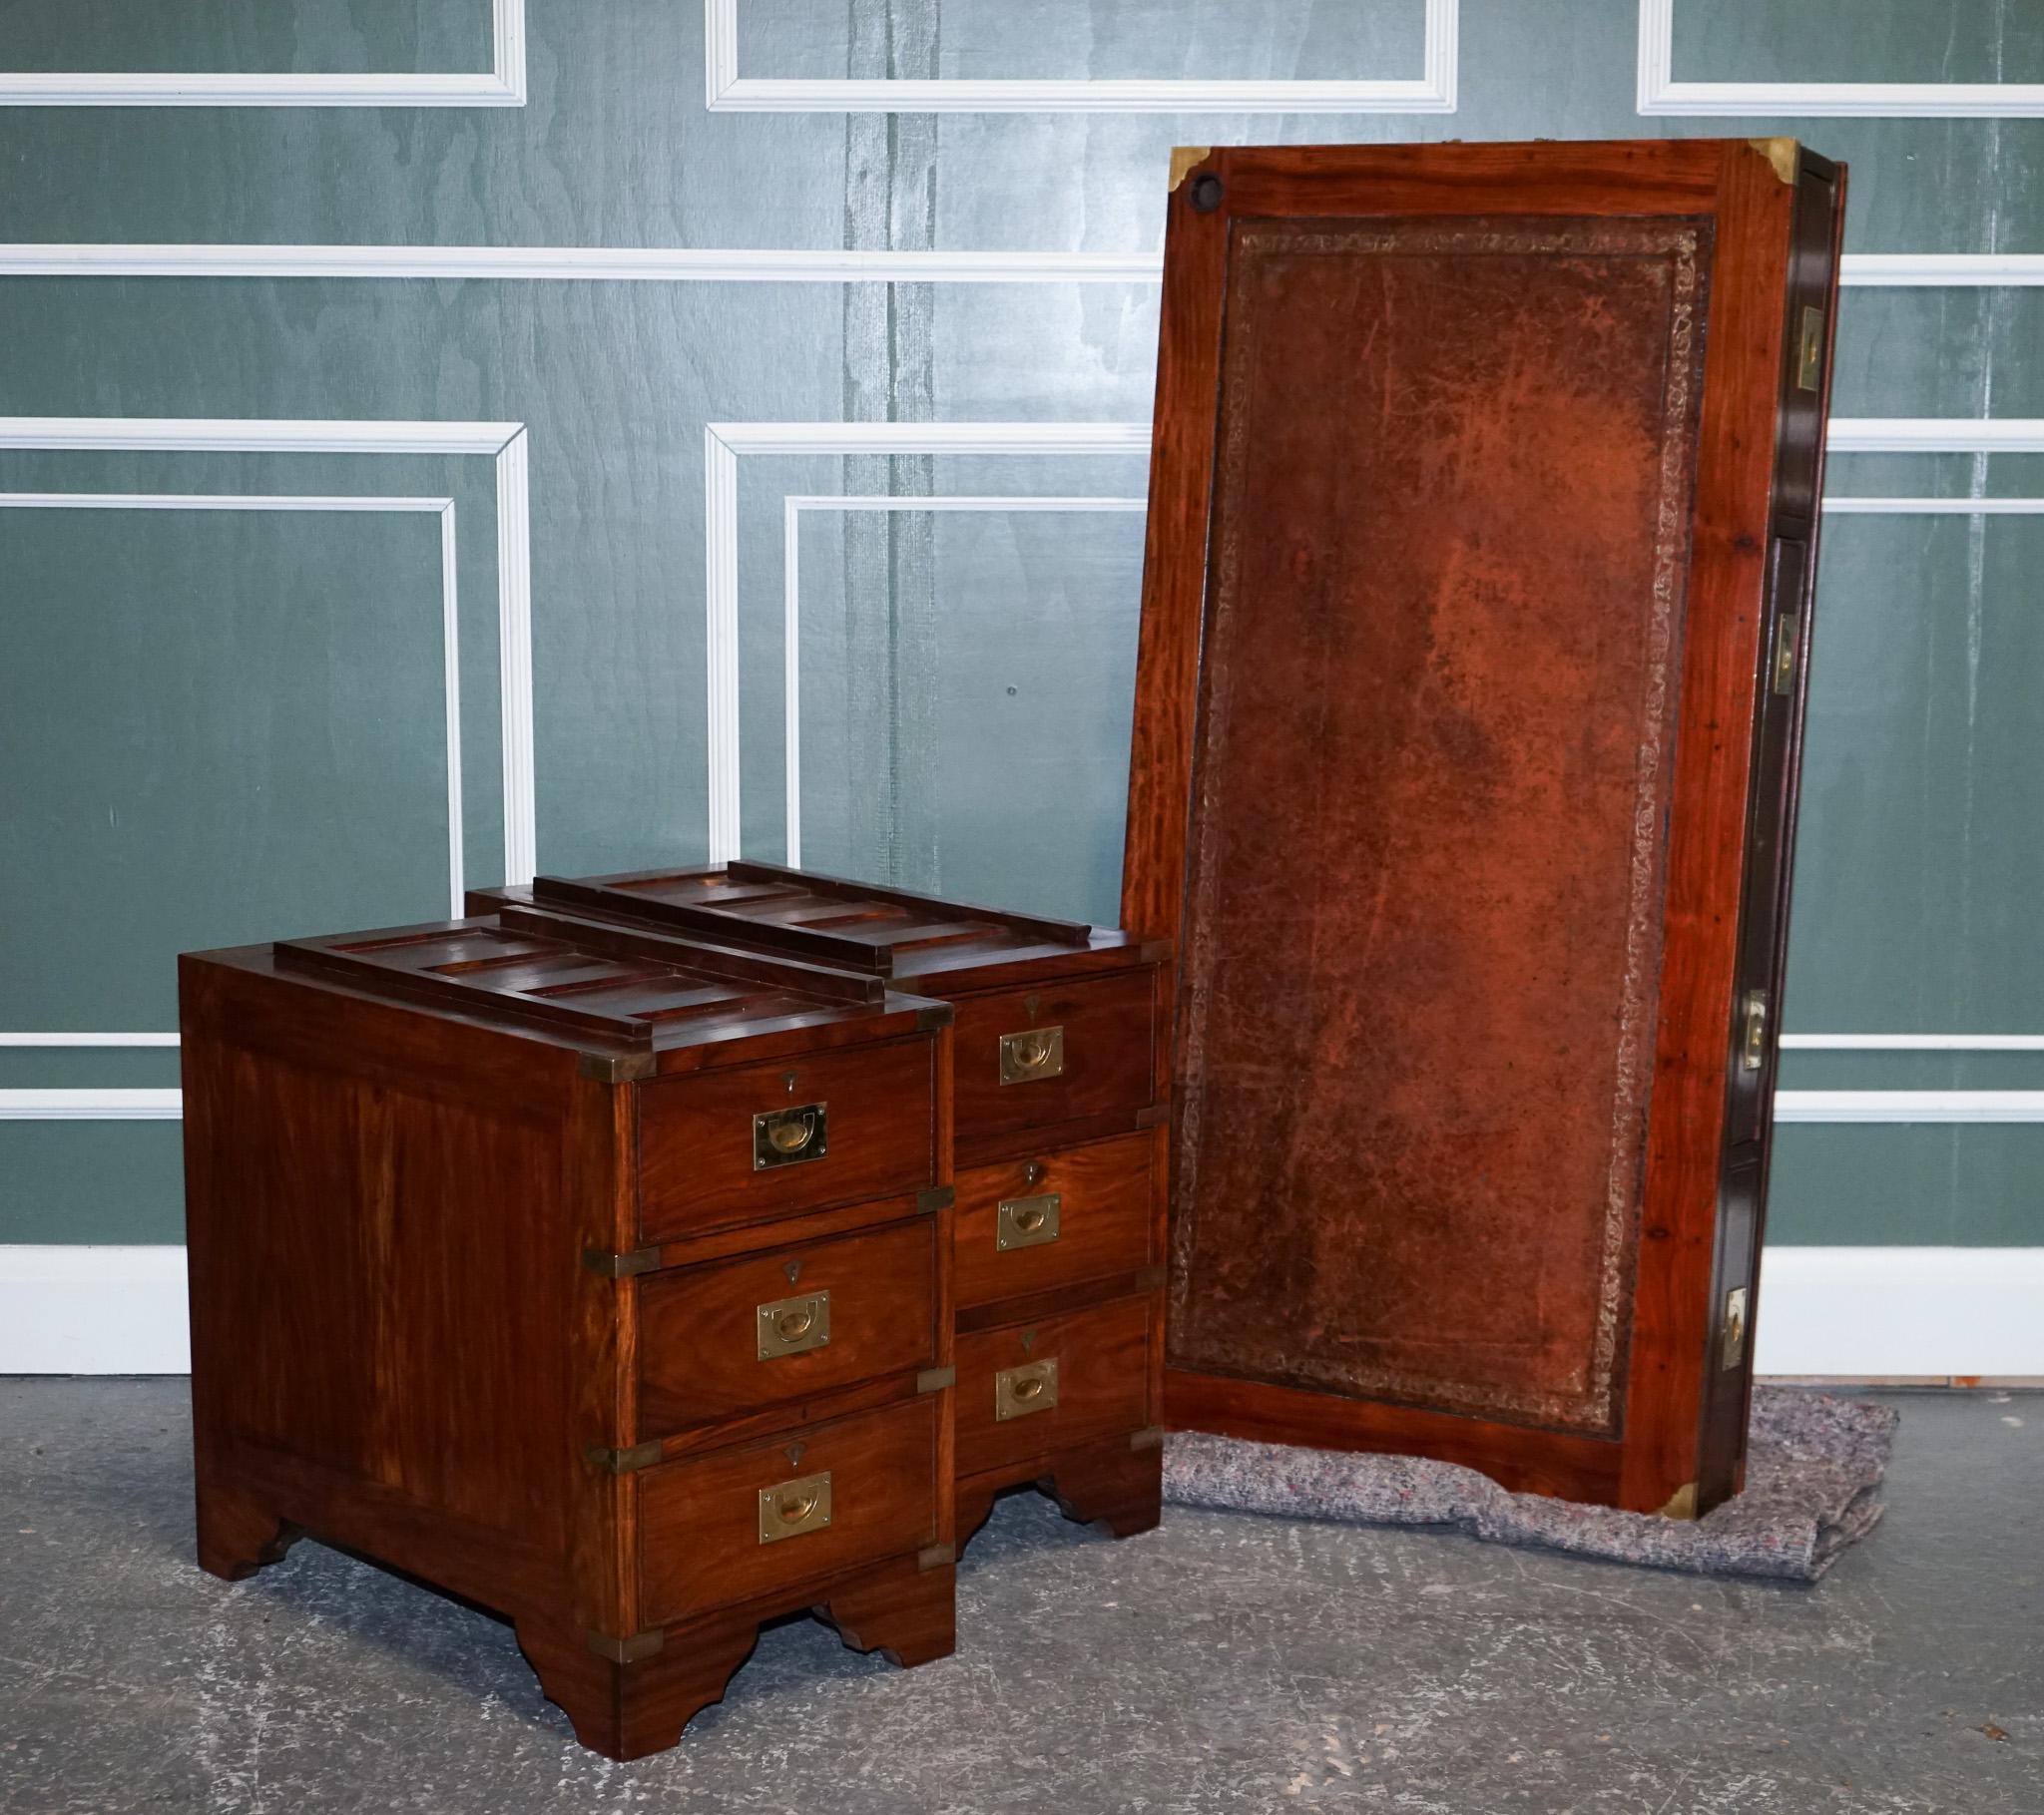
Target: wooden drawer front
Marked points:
697	1149
699	1519
1103	1383
701	1329
1102	1194
1104	1027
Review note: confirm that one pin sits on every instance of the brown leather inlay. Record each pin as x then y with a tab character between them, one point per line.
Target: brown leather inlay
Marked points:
1433	760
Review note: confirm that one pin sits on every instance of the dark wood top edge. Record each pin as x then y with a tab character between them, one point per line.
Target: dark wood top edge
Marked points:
630	1053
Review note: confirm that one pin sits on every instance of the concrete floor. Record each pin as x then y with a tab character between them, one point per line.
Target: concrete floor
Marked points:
1223	1664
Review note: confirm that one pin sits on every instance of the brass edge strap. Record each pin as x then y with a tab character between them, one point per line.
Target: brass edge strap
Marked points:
937	1197
1150	1278
1149	1439
620	1266
935	1014
1151	1115
626	1650
623	1462
935	1380
617	1067
936	1556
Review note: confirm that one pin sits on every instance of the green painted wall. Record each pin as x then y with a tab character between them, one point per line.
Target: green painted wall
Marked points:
216	726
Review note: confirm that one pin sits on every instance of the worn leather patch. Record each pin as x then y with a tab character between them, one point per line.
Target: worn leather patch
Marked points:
1441	678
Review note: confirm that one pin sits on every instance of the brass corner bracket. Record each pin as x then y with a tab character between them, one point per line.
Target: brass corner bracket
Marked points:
623	1462
1182	158
620	1266
626	1651
617	1067
1783	154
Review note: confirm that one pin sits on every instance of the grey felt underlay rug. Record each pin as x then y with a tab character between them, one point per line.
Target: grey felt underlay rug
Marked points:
1812	1486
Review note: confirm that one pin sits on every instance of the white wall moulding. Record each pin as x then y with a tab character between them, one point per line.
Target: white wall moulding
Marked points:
443	508
1916	1043
678	264
725	442
1909	1106
89	1106
1934	435
86	1039
505	443
1883	1312
794	508
1852	1312
1432	92
92	1310
1661	93
503	85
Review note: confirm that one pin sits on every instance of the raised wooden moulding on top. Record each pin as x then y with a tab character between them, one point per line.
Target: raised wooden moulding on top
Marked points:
1476	608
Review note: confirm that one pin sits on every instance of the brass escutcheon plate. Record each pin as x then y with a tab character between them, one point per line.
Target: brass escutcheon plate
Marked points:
792	1136
794	1509
1033	1387
1027	1222
793	1326
1038	1052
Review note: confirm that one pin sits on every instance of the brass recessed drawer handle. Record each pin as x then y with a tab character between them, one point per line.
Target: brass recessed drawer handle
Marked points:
792	1509
1033	1387
789	1137
1027	1222
1038	1052
792	1327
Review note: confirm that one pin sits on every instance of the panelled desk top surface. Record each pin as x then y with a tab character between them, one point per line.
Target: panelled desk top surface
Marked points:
599	1275
1059	1062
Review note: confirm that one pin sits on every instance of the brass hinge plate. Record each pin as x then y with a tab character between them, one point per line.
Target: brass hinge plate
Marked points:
1809	351
1150	1438
621	1267
1733	1349
936	1556
1752	1040
626	1651
1788	632
935	1380
623	1462
935	1014
935	1197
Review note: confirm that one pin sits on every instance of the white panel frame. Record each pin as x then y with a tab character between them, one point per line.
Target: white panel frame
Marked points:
1660	92
502	86
725	91
794	508
506	444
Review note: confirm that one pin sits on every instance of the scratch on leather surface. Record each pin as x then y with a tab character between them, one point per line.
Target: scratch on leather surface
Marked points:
1453	520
